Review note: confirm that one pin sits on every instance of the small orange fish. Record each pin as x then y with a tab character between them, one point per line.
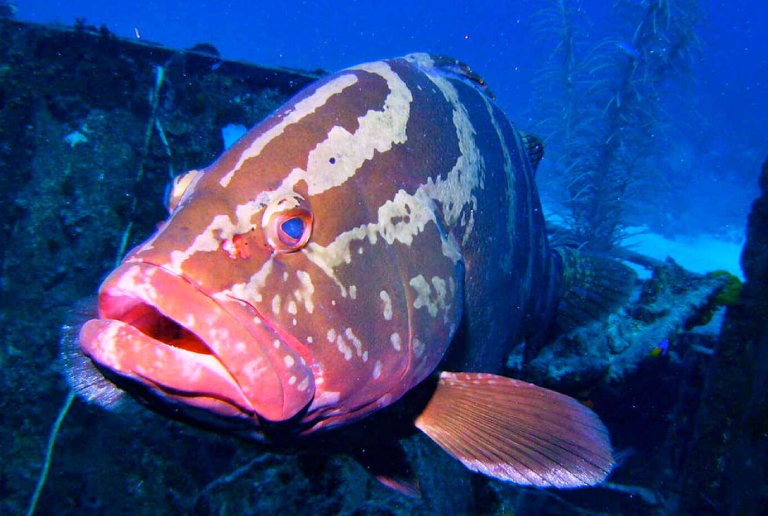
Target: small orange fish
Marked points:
661	349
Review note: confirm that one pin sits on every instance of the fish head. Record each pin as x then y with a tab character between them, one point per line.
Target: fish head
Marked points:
190	314
305	276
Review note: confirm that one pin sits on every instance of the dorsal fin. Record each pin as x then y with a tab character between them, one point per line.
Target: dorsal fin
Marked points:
534	147
593	286
456	67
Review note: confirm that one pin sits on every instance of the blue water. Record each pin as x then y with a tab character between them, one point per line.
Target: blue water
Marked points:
719	127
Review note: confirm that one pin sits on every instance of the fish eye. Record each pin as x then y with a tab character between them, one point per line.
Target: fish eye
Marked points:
293	228
288	224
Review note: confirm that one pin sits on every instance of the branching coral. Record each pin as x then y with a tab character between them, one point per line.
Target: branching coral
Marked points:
602	107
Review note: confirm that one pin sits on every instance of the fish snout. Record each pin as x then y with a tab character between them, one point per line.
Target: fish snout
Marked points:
159	329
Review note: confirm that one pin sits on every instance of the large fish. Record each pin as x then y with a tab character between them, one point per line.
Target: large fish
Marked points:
320	269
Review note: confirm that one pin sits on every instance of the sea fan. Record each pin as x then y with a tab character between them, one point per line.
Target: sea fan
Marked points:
601	106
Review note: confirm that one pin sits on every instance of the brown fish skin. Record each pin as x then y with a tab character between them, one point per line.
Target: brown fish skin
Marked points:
321	267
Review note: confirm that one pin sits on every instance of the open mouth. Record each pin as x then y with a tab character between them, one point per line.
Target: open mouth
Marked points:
152	323
161	330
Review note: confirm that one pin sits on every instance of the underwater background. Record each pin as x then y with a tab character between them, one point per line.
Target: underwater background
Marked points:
653	114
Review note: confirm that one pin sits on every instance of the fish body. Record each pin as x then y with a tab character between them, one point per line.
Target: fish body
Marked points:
381	226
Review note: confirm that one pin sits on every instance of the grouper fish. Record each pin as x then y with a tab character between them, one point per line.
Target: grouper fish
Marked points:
377	236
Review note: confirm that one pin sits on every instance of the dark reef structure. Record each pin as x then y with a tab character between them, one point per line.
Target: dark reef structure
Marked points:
671	302
601	109
725	470
93	127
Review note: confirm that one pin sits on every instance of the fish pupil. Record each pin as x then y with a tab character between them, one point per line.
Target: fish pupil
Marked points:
293	227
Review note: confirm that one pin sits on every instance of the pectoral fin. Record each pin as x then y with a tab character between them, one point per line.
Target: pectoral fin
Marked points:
516	431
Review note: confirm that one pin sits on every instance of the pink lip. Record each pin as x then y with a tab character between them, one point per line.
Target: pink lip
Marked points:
161	330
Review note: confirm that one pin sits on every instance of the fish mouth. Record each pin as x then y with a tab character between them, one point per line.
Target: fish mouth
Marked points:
159	329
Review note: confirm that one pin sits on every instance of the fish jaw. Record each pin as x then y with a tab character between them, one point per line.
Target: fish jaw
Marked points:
160	330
